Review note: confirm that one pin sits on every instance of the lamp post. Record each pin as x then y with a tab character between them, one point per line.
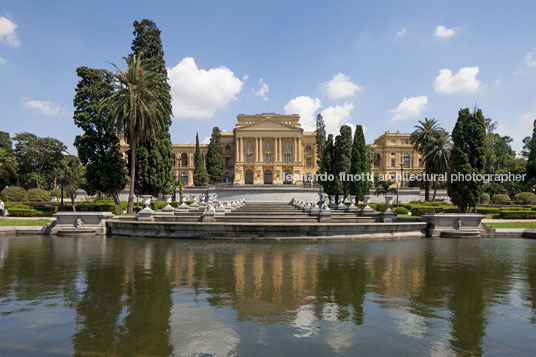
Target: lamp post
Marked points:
401	181
174	186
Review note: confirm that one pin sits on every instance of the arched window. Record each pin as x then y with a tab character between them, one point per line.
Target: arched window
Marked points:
184	159
287	151
406	160
267	177
267	152
228	147
287	177
308	148
249	177
249	154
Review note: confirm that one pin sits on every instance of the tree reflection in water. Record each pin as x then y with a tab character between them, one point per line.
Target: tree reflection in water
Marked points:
161	297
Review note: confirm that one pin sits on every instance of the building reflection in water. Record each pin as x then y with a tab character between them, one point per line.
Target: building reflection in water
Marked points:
159	297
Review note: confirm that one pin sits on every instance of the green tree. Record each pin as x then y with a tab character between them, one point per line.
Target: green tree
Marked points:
327	166
154	156
137	107
468	157
342	161
215	156
421	137
73	177
437	158
200	172
8	169
360	164
40	160
98	147
320	138
5	142
531	149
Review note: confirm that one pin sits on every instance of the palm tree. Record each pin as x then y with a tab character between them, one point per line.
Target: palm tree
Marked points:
137	107
437	156
423	135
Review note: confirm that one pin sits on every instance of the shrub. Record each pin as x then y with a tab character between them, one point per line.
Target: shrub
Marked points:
420	210
22	212
506	214
450	209
100	199
38	195
401	210
484	199
378	206
158	205
487	210
526	198
500	199
57	193
14	193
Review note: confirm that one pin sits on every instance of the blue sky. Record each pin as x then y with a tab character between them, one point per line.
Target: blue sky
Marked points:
382	64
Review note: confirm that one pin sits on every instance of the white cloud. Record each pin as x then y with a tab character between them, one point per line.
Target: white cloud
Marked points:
443	32
463	81
401	32
263	90
339	87
198	93
43	106
337	115
517	128
3	60
306	107
206	140
7	32
410	108
530	59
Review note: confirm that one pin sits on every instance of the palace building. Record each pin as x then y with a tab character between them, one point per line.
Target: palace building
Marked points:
274	149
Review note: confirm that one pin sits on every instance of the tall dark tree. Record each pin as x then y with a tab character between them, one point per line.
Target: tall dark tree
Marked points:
137	107
154	156
200	172
8	169
531	148
320	138
468	157
326	166
215	156
98	147
40	160
342	161
360	164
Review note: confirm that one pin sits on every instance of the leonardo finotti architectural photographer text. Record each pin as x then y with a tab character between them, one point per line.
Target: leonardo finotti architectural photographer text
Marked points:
407	177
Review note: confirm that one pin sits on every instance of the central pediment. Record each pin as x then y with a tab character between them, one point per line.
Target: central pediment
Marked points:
268	124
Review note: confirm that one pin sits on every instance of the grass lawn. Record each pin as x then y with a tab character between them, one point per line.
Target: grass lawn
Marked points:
513	225
24	222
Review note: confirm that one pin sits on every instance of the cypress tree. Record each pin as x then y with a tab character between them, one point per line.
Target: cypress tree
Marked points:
342	159
200	172
320	138
215	156
360	164
154	156
98	147
468	157
327	166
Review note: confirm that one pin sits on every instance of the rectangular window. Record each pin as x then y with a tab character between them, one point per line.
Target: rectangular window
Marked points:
401	141
268	157
308	161
407	141
393	162
249	157
227	162
420	162
287	157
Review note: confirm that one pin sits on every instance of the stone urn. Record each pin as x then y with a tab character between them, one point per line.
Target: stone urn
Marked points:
367	209
146	214
168	207
389	203
147	201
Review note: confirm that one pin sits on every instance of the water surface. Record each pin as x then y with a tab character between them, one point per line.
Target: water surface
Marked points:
156	297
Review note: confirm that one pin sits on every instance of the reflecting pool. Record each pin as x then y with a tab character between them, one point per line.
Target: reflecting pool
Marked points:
157	297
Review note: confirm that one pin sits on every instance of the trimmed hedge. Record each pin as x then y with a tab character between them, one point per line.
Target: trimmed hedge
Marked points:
420	210
505	214
38	195
22	212
500	199
488	210
485	199
526	198
450	209
14	194
378	206
401	210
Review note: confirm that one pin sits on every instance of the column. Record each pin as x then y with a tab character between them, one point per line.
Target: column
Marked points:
300	151
261	159
295	149
237	150
256	149
276	154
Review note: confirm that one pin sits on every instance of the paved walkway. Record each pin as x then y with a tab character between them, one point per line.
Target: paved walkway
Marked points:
28	218
489	220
